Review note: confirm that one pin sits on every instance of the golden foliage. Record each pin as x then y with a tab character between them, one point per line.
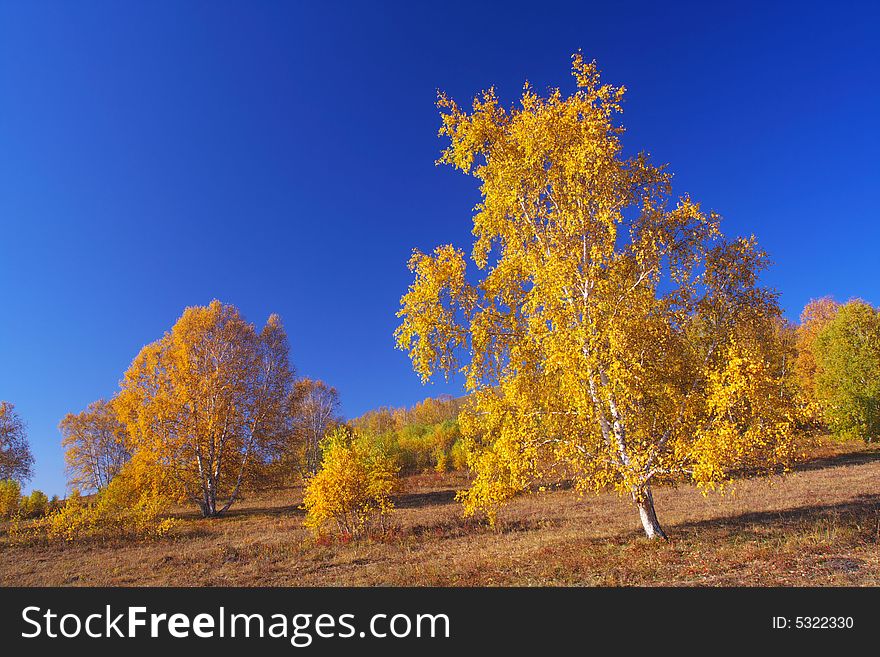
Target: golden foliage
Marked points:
205	406
10	498
34	505
124	508
353	488
610	327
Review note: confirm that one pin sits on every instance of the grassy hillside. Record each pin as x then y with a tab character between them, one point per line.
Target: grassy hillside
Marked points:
819	526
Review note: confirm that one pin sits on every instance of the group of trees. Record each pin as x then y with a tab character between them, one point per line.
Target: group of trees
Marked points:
424	436
203	411
15	505
16	467
838	366
212	406
611	334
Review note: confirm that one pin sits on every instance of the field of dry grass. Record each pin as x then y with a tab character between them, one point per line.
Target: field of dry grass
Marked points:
819	526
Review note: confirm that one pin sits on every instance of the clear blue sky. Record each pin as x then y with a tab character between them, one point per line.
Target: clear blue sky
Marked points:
279	156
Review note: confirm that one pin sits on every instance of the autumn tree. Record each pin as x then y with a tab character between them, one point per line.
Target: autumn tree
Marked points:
94	443
847	371
814	317
314	410
34	505
16	460
205	406
612	333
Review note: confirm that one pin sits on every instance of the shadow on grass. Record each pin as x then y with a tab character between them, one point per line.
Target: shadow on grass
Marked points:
404	501
245	512
447	496
419	500
839	460
861	514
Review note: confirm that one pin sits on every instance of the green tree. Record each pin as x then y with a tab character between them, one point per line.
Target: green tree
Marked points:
847	353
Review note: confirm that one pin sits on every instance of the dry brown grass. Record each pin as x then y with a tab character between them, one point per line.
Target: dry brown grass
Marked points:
819	526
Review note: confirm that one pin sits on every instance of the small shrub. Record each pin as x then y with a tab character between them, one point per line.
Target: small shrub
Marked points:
353	488
119	510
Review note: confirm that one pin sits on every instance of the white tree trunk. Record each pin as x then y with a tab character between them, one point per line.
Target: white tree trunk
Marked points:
645	502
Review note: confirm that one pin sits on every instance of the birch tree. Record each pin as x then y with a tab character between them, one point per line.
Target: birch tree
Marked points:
205	406
94	443
16	459
315	410
610	332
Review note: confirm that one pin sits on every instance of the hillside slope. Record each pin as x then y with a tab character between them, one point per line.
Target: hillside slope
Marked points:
819	526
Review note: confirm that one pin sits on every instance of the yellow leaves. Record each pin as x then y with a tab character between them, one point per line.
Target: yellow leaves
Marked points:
749	421
95	446
123	508
614	335
10	498
431	310
496	482
352	489
200	404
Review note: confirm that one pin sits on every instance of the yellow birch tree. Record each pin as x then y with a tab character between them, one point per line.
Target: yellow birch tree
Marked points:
205	406
611	332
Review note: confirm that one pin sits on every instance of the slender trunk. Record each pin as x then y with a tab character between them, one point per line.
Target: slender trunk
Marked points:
645	502
208	505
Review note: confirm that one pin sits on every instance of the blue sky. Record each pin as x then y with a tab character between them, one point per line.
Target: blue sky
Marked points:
280	156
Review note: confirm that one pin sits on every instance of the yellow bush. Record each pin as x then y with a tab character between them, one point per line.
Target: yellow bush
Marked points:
117	511
10	498
353	488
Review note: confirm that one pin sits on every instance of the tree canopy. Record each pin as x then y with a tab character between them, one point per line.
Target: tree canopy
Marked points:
94	443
